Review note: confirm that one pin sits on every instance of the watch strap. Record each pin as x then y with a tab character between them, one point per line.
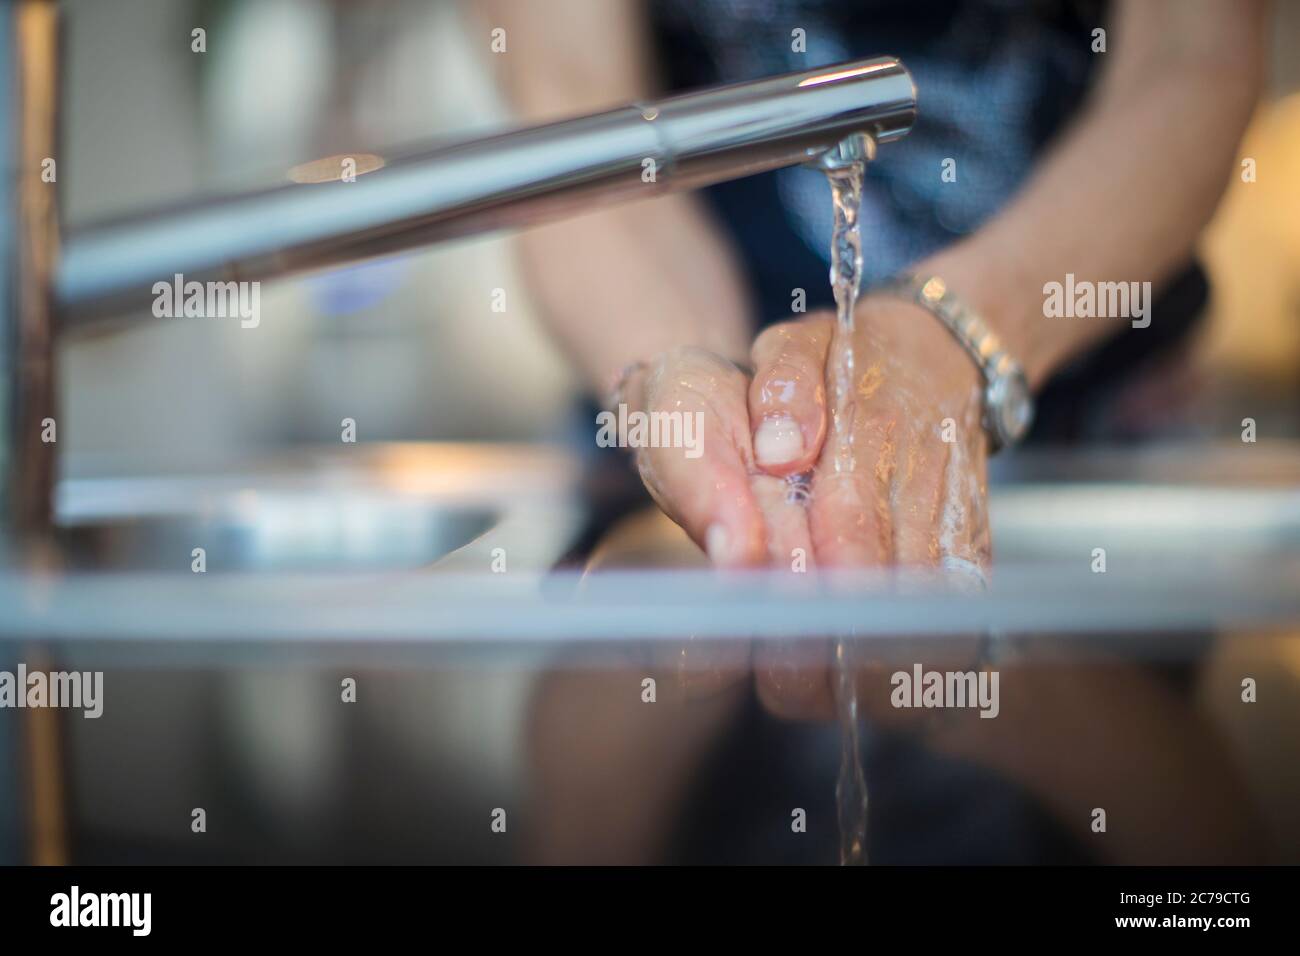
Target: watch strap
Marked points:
966	326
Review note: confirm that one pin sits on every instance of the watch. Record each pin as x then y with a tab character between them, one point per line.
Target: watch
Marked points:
1008	406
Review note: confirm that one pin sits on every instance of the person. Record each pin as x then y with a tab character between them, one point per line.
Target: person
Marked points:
1061	141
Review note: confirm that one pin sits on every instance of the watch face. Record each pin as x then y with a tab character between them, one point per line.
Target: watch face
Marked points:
1010	408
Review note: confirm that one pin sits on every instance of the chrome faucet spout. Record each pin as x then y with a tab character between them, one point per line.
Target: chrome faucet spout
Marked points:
506	180
52	283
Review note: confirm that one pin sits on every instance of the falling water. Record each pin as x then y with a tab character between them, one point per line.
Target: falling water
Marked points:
846	276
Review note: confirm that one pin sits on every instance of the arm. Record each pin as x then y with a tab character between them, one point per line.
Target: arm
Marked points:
653	286
1121	197
1124	195
625	283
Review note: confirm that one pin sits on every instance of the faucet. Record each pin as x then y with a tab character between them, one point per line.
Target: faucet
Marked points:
54	283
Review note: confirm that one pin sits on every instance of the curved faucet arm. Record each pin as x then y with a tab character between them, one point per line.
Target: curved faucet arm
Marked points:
502	181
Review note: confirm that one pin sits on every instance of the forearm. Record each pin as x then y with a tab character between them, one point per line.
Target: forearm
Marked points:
1122	198
624	284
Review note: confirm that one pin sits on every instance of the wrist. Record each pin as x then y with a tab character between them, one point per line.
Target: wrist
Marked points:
910	334
1007	405
983	285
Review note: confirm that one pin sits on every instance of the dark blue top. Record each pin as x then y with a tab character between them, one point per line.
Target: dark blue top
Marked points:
996	81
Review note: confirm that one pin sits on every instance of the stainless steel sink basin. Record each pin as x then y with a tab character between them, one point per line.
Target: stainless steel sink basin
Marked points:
377	508
261	531
386	563
405	544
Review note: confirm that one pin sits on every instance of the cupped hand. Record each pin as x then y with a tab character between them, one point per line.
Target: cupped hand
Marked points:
729	494
894	477
900	479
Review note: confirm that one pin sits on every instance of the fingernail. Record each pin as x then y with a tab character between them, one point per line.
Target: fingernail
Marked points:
717	543
778	441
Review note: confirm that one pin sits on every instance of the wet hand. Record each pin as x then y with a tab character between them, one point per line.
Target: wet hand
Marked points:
733	497
901	477
706	488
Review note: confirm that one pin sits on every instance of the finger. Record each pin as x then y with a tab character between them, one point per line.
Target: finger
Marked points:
850	517
695	668
921	501
785	518
705	487
701	667
792	678
787	399
962	527
941	519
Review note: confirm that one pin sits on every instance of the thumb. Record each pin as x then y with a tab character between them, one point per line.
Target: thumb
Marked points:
706	491
787	398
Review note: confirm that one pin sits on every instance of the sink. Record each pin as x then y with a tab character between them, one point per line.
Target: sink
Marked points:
385	562
375	508
279	531
406	545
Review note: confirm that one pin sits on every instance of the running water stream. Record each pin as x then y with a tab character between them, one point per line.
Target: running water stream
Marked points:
846	276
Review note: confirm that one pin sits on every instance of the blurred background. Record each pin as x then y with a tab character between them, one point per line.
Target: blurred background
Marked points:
412	349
